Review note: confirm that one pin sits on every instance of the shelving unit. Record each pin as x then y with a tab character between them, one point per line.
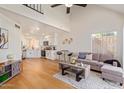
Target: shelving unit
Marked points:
8	70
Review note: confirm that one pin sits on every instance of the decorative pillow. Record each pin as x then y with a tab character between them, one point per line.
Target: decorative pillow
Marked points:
104	57
89	56
73	60
82	55
115	63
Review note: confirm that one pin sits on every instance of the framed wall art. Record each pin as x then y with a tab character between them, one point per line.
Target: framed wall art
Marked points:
3	38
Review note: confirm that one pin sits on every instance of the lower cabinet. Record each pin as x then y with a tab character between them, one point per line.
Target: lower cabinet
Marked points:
33	53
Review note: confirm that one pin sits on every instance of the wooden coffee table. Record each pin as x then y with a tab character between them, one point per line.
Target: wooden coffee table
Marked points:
78	69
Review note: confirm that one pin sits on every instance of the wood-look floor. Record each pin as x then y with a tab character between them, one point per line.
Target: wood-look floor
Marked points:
37	74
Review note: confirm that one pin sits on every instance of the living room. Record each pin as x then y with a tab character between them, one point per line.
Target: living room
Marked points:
30	33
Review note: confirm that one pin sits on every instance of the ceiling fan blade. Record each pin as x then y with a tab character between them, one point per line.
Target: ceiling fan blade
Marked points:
68	10
82	5
55	5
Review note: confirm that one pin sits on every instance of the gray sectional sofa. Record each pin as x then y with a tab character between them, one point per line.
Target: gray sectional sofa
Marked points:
94	65
97	60
113	73
99	63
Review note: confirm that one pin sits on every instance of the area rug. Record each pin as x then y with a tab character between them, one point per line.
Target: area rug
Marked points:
94	81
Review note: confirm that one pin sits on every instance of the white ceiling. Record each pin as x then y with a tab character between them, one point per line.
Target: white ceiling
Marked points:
115	7
34	28
30	28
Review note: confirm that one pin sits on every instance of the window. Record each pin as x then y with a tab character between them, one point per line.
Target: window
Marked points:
105	43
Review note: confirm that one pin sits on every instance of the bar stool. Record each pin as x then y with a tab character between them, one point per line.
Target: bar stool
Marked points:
62	67
59	53
69	56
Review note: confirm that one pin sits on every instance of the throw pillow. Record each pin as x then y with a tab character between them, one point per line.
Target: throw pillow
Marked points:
115	63
89	56
82	55
73	60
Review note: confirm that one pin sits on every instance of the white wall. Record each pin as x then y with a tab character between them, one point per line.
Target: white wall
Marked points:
14	38
93	19
56	36
83	22
56	17
59	36
23	40
123	46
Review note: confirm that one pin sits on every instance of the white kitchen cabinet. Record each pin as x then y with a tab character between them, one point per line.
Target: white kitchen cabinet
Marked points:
33	53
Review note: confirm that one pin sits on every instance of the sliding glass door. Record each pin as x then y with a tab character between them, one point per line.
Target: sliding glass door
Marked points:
105	43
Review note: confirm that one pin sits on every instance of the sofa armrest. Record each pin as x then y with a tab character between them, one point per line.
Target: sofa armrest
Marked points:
112	69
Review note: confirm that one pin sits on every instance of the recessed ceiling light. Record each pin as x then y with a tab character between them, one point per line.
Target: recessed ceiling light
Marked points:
43	34
32	31
29	37
37	28
47	36
27	34
115	33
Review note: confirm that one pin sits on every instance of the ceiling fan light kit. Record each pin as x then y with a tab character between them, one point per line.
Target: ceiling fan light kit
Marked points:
68	6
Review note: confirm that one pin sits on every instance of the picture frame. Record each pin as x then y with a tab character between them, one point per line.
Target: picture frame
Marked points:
3	38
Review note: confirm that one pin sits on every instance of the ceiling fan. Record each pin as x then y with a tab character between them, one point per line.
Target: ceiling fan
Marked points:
69	6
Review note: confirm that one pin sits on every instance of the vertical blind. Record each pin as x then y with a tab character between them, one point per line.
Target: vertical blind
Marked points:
105	43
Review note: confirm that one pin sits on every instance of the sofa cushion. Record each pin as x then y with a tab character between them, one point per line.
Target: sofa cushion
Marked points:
112	70
95	56
104	57
91	62
89	56
101	57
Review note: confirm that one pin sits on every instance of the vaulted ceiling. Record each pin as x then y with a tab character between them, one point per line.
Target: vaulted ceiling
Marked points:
36	28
